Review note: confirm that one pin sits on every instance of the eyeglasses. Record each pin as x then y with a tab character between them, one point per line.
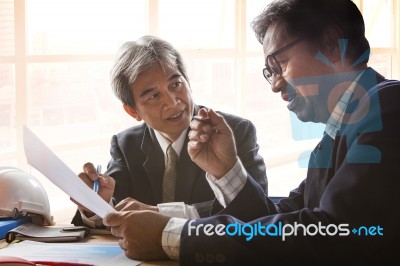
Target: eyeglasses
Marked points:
273	66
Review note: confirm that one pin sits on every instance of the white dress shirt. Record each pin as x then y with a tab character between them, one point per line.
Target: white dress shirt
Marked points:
177	144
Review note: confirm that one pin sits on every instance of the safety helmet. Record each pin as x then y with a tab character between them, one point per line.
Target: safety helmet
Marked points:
23	194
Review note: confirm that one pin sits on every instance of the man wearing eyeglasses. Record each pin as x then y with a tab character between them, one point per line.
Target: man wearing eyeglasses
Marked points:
346	211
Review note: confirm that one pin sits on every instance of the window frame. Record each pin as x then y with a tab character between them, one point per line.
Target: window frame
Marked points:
240	54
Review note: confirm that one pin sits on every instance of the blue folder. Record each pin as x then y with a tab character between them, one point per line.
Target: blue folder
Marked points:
7	224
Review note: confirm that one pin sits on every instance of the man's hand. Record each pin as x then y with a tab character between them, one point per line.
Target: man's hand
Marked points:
140	233
106	185
212	144
130	204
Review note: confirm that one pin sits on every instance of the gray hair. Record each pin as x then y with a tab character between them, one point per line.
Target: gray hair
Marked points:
135	57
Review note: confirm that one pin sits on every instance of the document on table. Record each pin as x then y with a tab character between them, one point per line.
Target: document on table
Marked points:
94	254
45	161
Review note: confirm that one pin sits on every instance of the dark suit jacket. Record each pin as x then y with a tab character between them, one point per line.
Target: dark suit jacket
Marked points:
353	179
137	165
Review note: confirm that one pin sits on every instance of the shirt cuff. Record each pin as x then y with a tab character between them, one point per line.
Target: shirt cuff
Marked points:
178	209
229	186
171	237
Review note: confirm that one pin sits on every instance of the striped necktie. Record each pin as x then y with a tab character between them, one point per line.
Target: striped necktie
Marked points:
170	175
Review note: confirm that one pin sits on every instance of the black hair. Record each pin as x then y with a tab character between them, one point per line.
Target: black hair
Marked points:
309	18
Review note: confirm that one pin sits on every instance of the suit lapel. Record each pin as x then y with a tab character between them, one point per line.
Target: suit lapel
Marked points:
154	164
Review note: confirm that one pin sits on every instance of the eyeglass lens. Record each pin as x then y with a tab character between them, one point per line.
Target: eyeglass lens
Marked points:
274	65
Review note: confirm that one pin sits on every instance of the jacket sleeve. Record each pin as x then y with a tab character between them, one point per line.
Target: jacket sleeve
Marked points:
354	223
247	149
118	169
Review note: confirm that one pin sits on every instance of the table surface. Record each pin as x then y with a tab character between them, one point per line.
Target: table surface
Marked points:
65	216
100	237
92	238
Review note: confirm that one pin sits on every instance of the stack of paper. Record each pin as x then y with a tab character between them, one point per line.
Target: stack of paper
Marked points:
34	232
102	254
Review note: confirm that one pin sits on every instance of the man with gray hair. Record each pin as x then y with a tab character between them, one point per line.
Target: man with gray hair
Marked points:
150	78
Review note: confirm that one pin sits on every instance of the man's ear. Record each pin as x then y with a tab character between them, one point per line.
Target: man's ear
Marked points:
329	43
132	112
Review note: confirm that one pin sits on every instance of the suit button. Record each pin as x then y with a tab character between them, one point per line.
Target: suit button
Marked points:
220	258
199	258
209	258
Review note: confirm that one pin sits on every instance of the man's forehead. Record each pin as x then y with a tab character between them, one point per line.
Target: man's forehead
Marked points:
158	68
274	37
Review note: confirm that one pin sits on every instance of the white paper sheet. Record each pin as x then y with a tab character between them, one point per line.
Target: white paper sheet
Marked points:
45	161
99	254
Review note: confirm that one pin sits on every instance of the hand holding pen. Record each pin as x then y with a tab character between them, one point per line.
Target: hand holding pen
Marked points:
96	182
100	183
211	143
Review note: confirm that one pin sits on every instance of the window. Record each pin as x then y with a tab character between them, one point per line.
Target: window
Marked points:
382	27
55	58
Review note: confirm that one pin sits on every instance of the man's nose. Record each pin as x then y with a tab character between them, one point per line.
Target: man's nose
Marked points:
276	84
171	99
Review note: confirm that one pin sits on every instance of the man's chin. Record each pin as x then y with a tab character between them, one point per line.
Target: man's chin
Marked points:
298	106
304	115
304	118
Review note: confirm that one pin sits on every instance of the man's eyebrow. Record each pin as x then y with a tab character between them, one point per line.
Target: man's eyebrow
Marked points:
175	75
146	91
149	90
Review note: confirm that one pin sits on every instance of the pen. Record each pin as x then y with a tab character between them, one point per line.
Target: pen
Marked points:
204	120
96	182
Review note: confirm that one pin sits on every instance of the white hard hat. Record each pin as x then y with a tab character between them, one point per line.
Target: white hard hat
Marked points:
22	193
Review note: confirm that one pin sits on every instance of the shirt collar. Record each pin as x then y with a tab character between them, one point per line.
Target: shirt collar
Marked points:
335	120
177	145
